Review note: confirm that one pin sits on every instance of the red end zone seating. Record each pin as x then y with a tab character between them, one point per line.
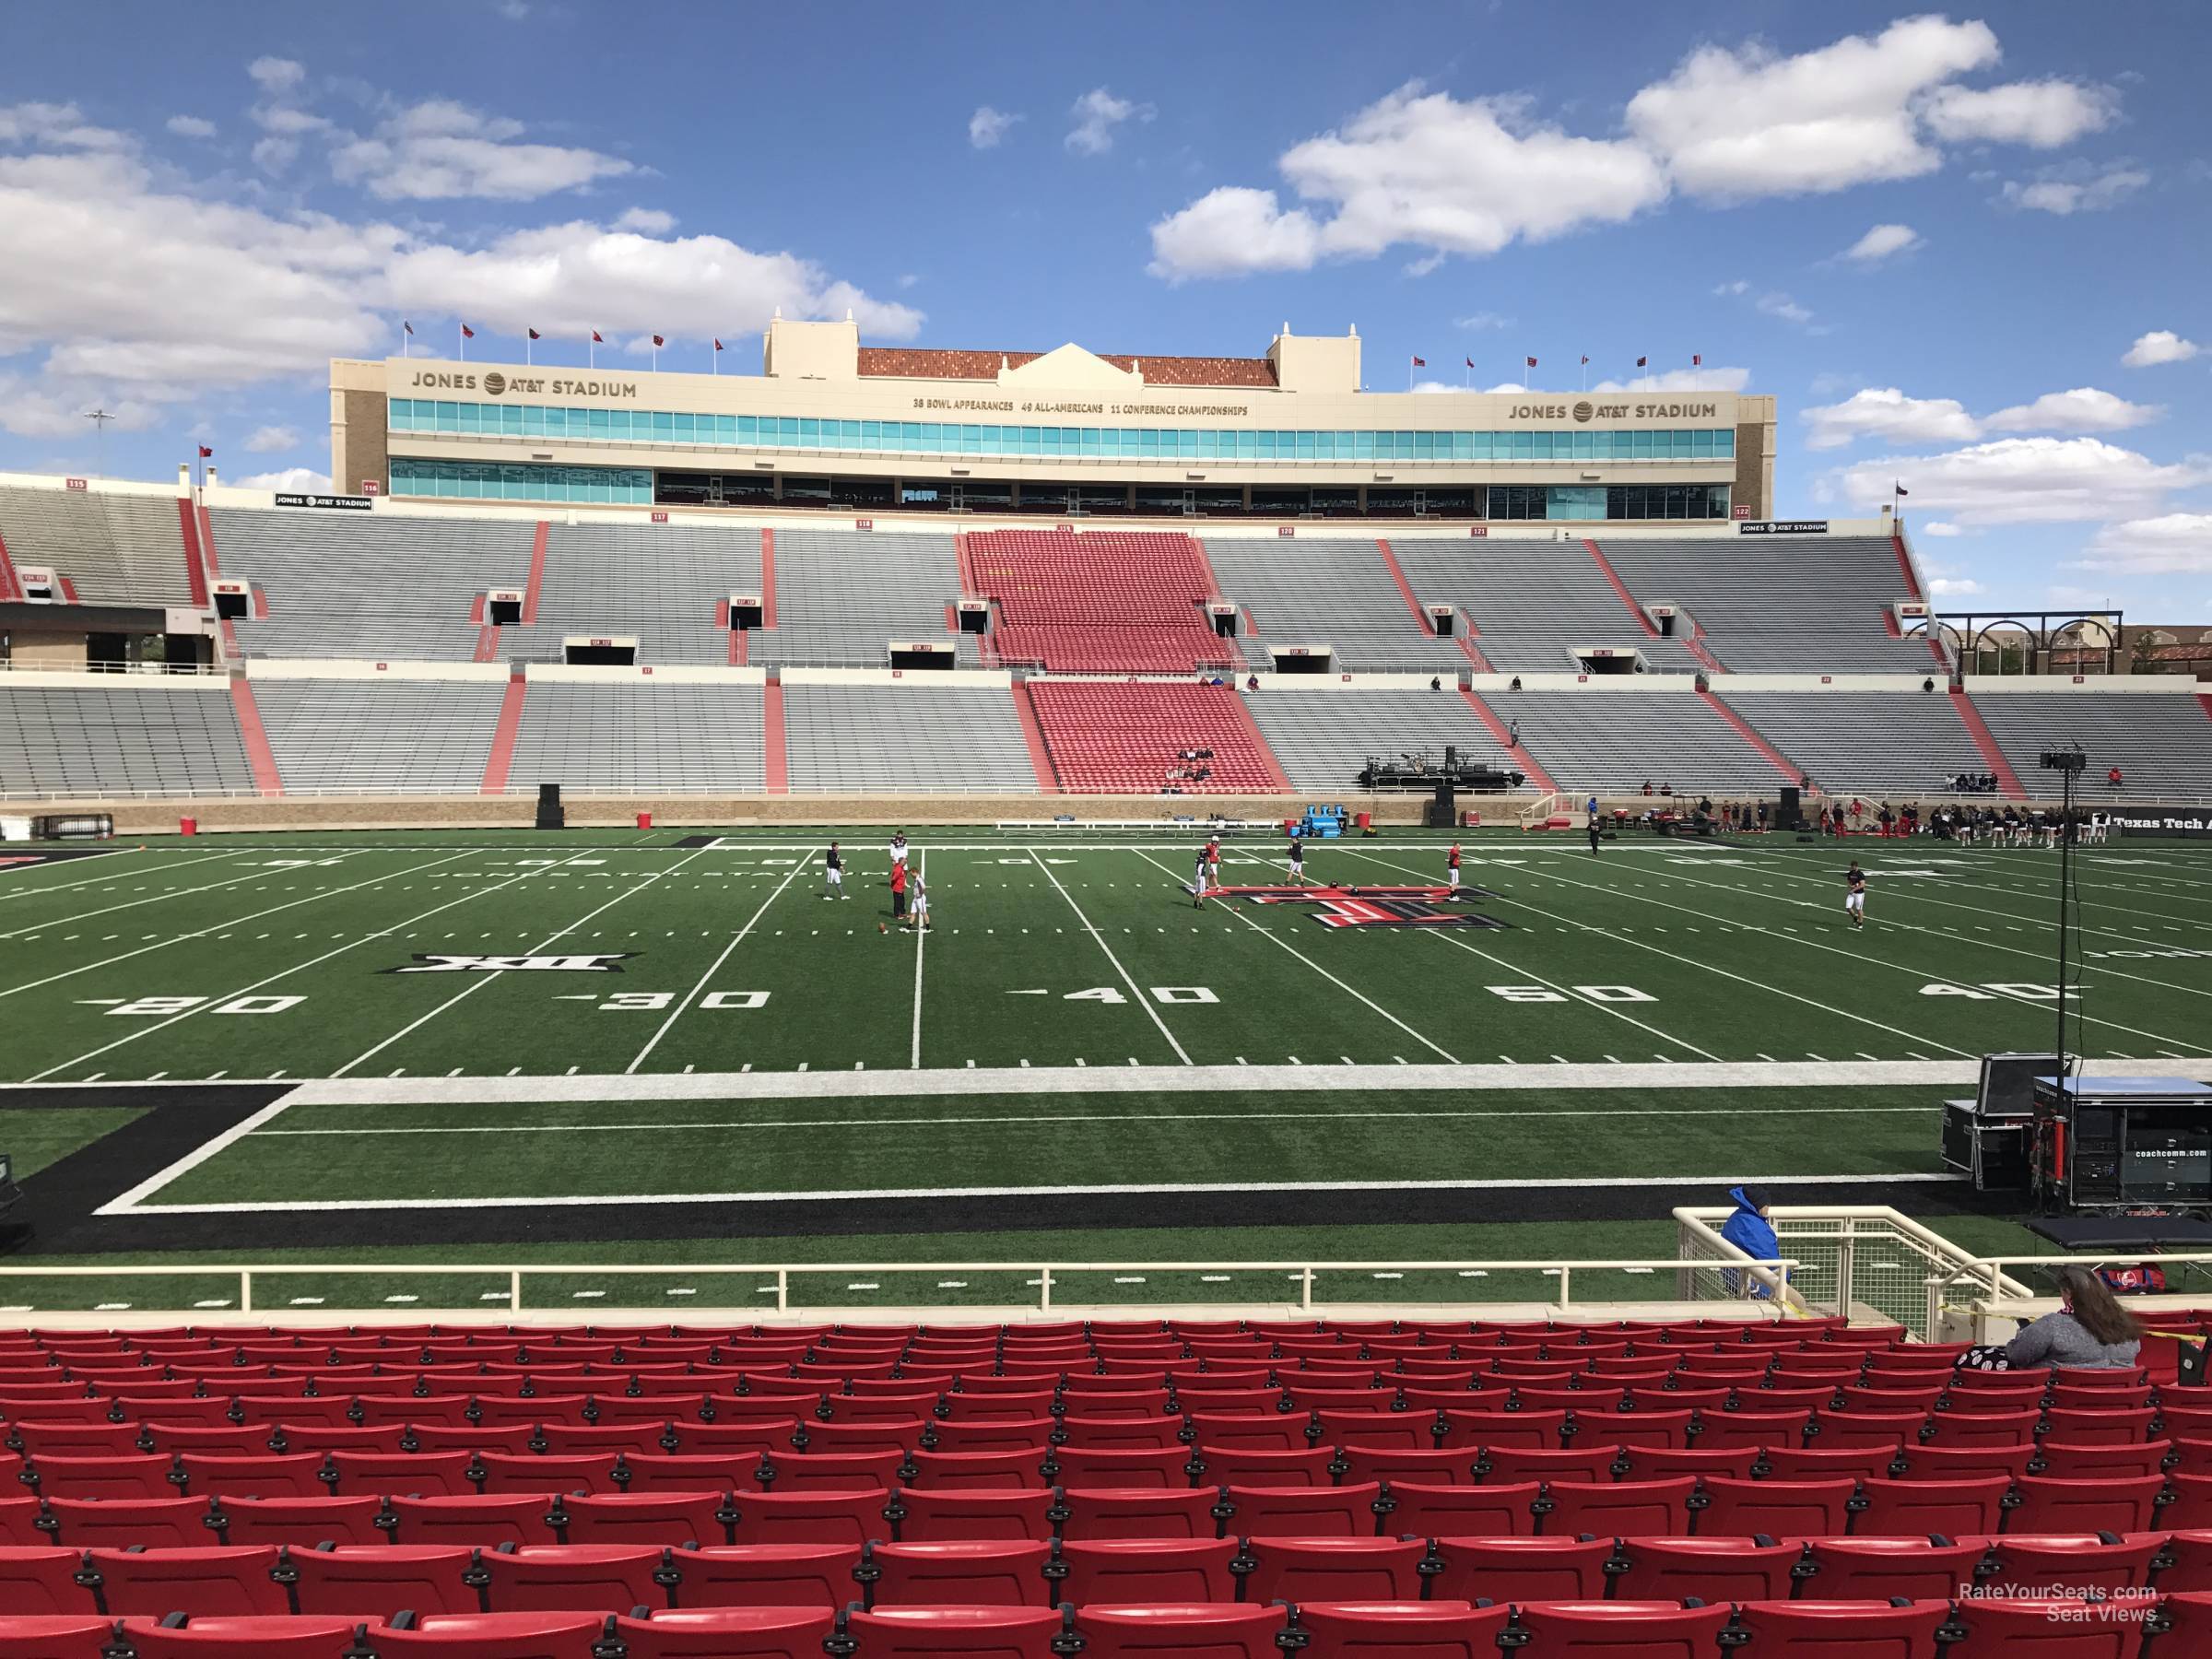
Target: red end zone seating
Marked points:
1101	602
1122	737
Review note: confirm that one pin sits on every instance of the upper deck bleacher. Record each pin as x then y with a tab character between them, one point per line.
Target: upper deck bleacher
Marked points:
111	548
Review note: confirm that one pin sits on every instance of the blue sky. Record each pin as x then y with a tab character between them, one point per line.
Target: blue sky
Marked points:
1966	251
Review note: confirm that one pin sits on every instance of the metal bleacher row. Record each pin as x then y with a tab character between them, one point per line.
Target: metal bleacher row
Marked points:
1532	604
626	737
860	737
661	585
1183	1490
113	549
389	737
842	596
134	735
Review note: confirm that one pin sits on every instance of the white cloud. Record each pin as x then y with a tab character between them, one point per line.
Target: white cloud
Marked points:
293	479
2026	480
988	127
1436	386
2078	189
1886	412
1726	125
275	76
1483	320
1771	303
274	154
2174	542
191	126
440	149
56	126
272	440
1096	114
1419	168
2042	114
1738	125
2160	346
645	221
515	11
1882	241
1953	587
1937	527
2082	409
908	279
1681	380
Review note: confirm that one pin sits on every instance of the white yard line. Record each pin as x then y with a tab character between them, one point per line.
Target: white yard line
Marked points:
1699	963
263	875
382	933
679	1125
1135	994
1699	1178
1309	961
479	982
715	967
230	922
124	1202
921	944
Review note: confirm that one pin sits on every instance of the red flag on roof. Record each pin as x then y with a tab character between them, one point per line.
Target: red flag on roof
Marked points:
1695	359
467	333
1420	362
208	454
409	326
1586	356
534	333
1532	362
1643	361
658	341
1901	488
598	338
1468	361
718	345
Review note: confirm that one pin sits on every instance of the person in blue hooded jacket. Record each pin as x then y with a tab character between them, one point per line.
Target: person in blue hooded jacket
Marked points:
1749	1230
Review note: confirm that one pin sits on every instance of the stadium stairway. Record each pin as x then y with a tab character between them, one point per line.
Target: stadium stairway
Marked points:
1791	771
1032	735
1522	761
1993	756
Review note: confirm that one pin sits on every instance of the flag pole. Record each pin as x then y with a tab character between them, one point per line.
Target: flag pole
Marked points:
461	340
590	350
526	348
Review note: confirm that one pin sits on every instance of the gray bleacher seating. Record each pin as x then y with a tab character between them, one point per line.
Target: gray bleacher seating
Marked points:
1323	738
1613	742
1780	605
660	583
1532	602
620	736
139	737
394	736
1896	743
1326	592
360	585
115	550
2162	745
843	596
915	736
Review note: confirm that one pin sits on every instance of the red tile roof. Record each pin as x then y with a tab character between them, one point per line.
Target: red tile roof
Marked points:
900	363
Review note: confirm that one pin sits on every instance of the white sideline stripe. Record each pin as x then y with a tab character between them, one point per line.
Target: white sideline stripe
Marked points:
676	1013
17	888
1135	995
1100	1080
859	1195
1277	939
1101	1117
261	874
921	944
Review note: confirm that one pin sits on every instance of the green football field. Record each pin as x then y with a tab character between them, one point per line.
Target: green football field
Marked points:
456	1039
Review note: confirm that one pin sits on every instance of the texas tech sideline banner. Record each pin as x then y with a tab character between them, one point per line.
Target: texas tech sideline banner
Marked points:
2172	823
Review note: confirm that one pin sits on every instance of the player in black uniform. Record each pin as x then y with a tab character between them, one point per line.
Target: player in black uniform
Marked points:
1855	894
833	873
1594	828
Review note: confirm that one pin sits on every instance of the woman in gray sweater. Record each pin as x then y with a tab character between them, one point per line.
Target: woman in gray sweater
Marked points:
2091	1331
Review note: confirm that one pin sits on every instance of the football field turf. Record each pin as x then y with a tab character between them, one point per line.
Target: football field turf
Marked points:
592	1035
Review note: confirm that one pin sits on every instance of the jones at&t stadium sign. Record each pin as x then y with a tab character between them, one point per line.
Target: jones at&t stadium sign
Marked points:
493	383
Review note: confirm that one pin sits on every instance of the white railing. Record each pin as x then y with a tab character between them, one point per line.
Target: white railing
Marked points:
9	666
1043	1278
1980	1289
1849	1259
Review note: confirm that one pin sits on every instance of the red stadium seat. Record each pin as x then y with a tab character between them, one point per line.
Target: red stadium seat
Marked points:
1713	1569
2192	1504
794	1575
254	1637
1330	1568
1343	1511
1162	1630
1959	1428
2076	1506
1914	1509
977	1471
487	1520
293	1475
1137	1571
2184	1561
692	1471
1878	1568
1568	1508
1502	1570
1145	1431
958	1632
2116	1461
308	1520
830	1472
1428	1468
2049	1630
111	1478
154	1581
727	1633
384	1578
1492	1428
415	1475
1118	1466
1759	1427
567	1577
2063	1565
1781	1508
1399	1629
1466	1512
1799	1462
817	1517
1832	1630
1139	1513
488	1635
1620	1629
652	1517
1504	1464
1230	1468
961	1515
506	1472
1660	1463
53	1636
990	1573
1964	1462
42	1581
154	1523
